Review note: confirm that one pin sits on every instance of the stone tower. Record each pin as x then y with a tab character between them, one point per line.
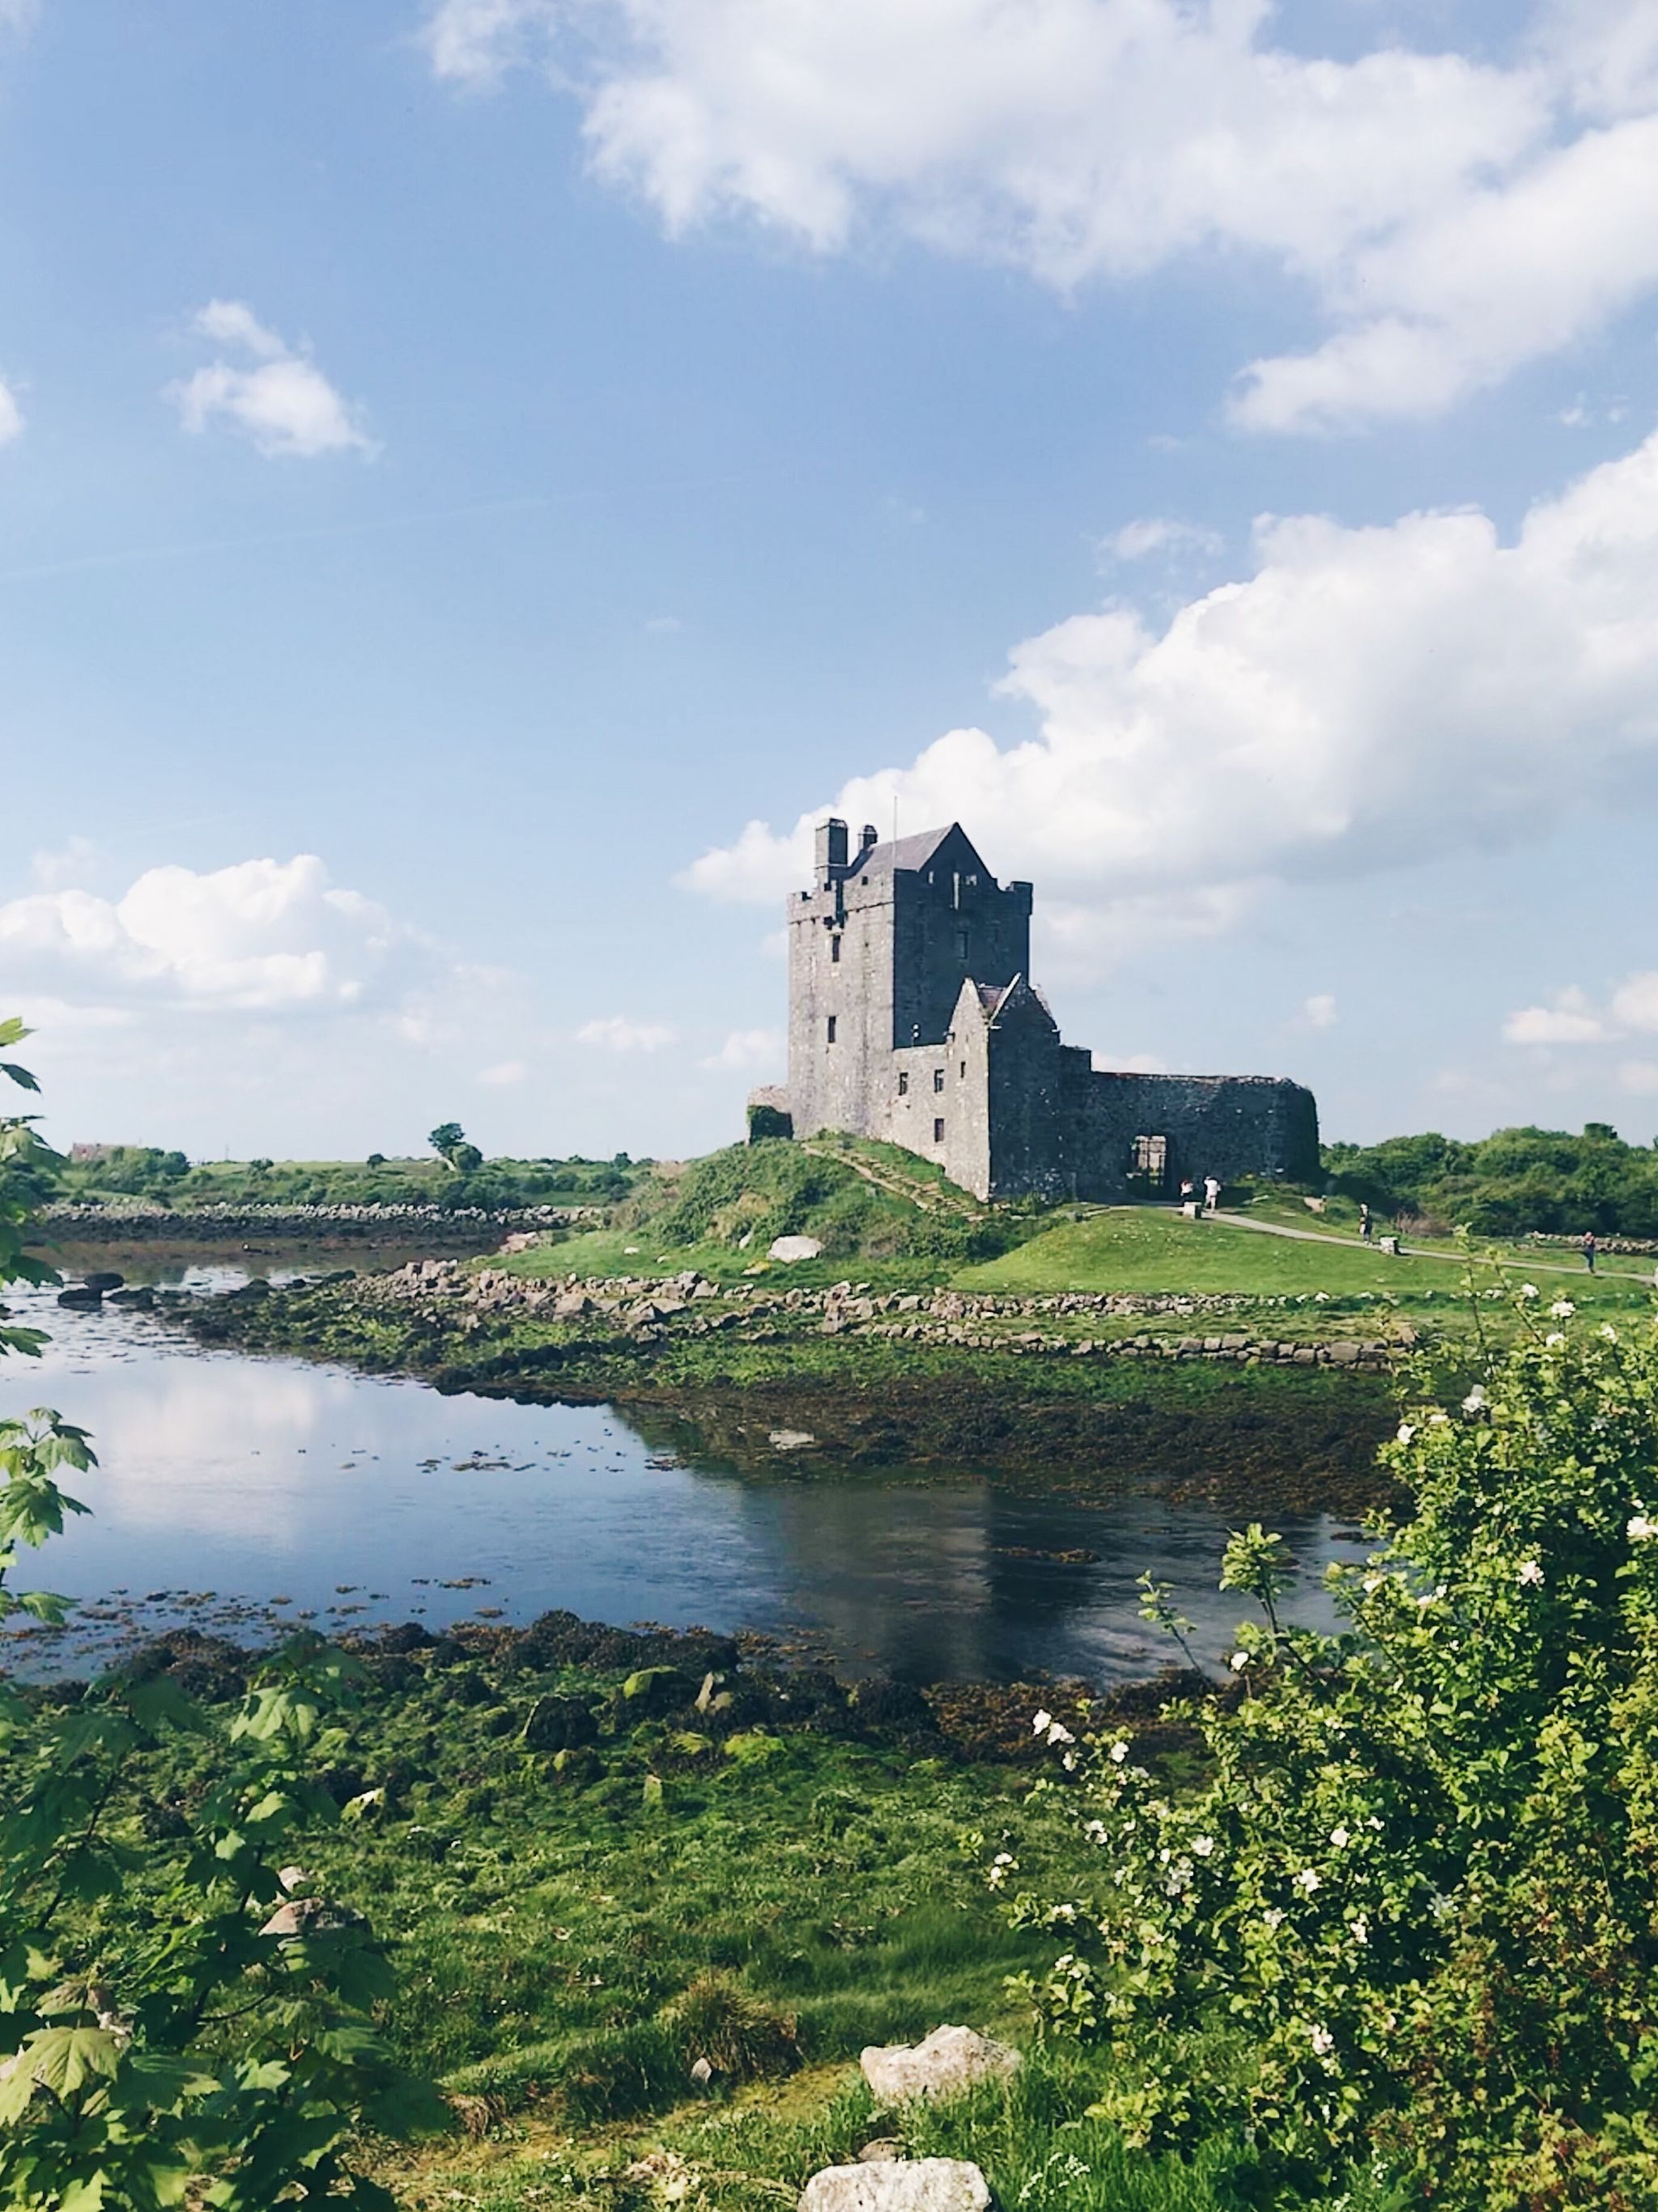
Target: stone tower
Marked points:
879	950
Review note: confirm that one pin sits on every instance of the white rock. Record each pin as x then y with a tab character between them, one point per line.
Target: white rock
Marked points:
942	2064
921	2185
794	1247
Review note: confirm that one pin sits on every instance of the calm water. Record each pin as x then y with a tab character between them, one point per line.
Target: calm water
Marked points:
234	1493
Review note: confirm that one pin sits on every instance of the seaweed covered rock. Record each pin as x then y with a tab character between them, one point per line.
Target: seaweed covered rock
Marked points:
555	1724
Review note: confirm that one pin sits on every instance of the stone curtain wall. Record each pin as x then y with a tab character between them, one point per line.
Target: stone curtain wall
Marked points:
1222	1125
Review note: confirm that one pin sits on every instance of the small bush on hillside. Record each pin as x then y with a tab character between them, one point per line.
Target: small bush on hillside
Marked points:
1412	1916
774	1189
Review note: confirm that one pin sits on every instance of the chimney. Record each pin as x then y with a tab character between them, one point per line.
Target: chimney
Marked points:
868	835
832	850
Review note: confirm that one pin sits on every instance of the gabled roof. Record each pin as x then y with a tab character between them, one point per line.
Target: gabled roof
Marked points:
917	853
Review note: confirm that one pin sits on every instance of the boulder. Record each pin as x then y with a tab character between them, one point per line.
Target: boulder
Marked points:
556	1723
945	2063
898	2184
105	1279
789	1248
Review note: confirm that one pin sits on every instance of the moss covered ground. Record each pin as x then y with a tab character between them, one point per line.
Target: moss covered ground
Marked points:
759	1870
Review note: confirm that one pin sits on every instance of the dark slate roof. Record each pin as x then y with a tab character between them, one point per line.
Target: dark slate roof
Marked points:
910	853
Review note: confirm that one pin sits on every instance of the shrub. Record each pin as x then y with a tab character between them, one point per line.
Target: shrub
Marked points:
1410	1914
176	2025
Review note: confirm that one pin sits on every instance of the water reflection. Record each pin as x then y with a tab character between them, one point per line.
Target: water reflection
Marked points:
227	1483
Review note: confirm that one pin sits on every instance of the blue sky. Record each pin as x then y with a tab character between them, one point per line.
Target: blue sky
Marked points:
464	465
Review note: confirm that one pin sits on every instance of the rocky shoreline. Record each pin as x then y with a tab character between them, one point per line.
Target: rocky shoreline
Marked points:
77	1224
647	1307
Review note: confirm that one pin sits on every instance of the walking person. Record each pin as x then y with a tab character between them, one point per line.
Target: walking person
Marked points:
1588	1249
1212	1193
1364	1221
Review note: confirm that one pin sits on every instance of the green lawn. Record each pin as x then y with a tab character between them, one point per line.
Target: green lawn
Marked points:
1141	1248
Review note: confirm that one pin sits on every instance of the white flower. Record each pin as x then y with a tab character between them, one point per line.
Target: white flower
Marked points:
1239	1661
1475	1400
1406	1430
1273	1916
1202	1845
1323	2042
1528	1290
1118	1751
1529	1574
1561	1310
1437	1420
1372	1583
1640	1530
1043	1720
1553	1341
1340	1838
1309	1879
1606	1330
1361	1929
1057	1734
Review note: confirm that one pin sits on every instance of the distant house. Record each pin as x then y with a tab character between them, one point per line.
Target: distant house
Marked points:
912	1018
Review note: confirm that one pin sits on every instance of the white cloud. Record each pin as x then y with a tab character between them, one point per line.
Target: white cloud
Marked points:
1639	1077
1157	534
504	1073
283	402
75	857
748	1049
618	1033
1573	1019
1558	1024
11	415
1367	697
1318	1013
267	936
1448	219
1635	1003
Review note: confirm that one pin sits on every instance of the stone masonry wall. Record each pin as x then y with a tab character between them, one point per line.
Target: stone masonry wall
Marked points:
1222	1125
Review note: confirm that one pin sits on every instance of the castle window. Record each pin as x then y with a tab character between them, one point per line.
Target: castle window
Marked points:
834	951
938	1133
903	1084
964	1071
832	1029
961	944
938	1079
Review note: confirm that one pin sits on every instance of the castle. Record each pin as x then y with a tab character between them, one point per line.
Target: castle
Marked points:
912	1018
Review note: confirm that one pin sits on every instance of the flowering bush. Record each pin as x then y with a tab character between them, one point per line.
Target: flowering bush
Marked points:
1410	1914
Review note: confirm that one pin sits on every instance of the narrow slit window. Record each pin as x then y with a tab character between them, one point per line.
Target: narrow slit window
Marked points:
832	1029
938	1133
938	1079
961	944
903	1084
964	1071
834	951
